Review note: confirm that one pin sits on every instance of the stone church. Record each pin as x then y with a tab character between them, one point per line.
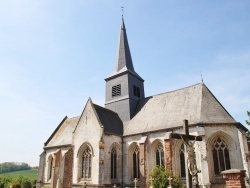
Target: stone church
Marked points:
132	134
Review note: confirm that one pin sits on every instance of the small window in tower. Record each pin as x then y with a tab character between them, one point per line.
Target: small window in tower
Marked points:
137	91
116	90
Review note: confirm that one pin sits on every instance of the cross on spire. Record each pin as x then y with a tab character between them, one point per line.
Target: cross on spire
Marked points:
122	8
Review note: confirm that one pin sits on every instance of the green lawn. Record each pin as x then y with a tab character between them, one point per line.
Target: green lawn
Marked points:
31	174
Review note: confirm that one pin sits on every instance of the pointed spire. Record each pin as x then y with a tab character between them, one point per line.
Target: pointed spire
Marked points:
124	58
124	61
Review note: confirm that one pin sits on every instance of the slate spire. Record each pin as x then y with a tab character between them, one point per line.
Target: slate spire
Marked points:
124	59
124	87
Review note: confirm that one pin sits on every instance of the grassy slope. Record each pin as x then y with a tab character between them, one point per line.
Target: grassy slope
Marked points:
31	174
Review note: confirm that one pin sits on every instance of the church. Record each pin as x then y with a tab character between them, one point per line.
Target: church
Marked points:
132	134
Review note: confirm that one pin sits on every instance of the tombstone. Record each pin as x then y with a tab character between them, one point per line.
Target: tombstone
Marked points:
151	182
170	182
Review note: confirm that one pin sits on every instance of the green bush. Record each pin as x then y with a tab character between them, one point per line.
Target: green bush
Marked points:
5	181
16	185
26	184
160	176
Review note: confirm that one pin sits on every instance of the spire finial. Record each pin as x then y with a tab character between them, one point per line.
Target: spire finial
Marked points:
122	8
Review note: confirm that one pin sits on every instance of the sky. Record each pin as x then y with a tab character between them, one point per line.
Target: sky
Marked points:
54	55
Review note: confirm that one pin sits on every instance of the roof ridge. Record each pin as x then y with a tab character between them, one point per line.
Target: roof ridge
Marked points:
174	90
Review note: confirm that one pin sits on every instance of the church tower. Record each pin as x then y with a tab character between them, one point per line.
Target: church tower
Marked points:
124	87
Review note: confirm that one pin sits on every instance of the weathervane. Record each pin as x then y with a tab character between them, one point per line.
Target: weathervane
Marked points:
122	8
201	78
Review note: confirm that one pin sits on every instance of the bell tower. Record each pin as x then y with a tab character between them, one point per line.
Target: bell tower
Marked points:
124	87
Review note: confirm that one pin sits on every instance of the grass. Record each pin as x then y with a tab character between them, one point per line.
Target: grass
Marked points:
31	174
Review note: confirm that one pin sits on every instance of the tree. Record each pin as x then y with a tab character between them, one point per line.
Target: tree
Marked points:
248	121
160	176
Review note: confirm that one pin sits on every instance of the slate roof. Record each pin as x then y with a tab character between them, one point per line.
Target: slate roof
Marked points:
110	120
165	111
124	61
63	133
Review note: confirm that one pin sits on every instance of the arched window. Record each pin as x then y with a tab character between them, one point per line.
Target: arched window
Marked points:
113	163
220	156
136	163
182	162
50	168
159	155
86	163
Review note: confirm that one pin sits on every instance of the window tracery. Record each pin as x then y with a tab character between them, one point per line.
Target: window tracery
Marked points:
136	163
220	156
159	155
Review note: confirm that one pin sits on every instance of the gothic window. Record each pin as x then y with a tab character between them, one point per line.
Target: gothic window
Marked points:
136	163
182	162
136	91
50	168
113	163
159	155
220	156
116	90
86	163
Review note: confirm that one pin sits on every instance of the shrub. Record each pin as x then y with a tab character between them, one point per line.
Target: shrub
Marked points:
5	181
16	185
26	184
160	176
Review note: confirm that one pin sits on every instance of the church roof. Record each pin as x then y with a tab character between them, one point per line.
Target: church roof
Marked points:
124	61
165	111
110	120
63	133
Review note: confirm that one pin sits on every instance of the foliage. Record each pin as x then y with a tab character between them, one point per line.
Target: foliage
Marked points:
160	176
248	121
13	166
5	181
19	182
16	185
26	184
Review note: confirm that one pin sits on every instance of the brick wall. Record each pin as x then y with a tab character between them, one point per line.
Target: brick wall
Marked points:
169	155
234	178
68	165
142	165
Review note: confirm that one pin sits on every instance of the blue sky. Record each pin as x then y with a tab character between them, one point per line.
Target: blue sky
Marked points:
54	55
